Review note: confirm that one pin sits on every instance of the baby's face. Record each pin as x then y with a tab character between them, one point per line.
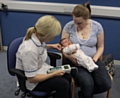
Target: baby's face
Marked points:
66	42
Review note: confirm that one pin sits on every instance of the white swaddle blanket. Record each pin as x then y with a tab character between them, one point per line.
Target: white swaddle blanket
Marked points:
82	59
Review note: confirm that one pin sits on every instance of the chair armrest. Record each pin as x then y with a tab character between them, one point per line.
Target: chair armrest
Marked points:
21	78
18	72
53	57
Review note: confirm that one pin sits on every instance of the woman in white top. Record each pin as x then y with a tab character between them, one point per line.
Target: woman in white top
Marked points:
32	54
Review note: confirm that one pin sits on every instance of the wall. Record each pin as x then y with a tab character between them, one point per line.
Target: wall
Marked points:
15	24
93	2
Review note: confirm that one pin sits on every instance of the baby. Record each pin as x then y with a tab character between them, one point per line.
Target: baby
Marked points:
82	59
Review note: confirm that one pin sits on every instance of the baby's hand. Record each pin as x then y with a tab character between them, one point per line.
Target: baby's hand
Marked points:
76	48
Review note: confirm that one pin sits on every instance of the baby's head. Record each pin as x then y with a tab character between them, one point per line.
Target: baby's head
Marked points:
65	42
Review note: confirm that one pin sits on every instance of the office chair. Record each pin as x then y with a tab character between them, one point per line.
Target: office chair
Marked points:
11	61
74	85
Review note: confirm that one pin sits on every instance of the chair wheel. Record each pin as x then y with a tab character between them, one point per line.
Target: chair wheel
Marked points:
23	95
28	95
17	92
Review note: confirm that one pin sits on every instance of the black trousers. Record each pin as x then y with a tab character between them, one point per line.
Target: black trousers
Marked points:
95	82
62	86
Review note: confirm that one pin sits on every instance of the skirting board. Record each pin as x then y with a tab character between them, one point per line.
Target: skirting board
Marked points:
60	8
116	62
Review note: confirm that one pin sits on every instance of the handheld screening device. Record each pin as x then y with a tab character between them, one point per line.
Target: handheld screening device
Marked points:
66	68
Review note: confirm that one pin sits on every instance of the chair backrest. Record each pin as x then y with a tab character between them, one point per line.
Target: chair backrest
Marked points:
11	61
11	53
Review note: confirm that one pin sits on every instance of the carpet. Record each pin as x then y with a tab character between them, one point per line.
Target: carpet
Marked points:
8	82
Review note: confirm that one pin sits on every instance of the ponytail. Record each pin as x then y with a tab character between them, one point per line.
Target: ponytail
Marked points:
30	31
87	5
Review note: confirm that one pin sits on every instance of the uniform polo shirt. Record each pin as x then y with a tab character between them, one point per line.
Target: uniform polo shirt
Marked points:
31	57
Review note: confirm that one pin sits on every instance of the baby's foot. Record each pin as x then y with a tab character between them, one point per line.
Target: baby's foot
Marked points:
95	67
91	69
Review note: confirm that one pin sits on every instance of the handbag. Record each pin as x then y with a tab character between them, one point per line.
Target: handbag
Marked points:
108	60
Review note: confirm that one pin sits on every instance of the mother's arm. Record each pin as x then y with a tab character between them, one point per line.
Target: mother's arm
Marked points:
100	47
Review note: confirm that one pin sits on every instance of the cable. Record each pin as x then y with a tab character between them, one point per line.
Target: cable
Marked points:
76	71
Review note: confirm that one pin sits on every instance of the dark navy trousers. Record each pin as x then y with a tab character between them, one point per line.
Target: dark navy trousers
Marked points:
95	82
62	86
